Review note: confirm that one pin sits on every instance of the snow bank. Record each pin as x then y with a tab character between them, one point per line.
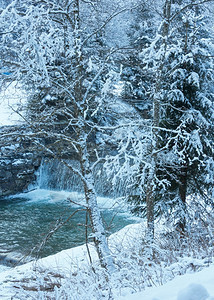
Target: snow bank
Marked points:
65	262
193	292
4	268
194	286
12	98
191	286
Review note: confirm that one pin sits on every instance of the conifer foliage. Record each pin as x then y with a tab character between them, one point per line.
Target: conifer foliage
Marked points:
181	56
169	153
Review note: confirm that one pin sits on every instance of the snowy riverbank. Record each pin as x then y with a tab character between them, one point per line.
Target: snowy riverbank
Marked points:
71	262
193	286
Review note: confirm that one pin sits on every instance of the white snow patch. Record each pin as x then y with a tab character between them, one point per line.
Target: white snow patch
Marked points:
4	268
123	108
12	98
194	286
193	292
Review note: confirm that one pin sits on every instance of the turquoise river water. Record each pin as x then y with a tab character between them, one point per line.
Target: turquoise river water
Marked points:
26	219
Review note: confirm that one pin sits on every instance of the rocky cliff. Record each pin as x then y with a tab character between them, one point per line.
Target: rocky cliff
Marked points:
18	162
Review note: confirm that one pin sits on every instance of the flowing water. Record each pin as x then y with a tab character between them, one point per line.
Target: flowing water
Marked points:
55	176
26	219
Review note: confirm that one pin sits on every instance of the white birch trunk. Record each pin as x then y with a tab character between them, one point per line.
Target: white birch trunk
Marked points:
98	230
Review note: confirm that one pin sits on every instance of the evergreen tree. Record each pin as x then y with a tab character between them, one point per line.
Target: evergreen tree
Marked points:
182	57
189	107
136	80
169	156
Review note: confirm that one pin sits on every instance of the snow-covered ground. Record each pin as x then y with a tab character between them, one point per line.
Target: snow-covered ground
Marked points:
194	286
191	286
11	99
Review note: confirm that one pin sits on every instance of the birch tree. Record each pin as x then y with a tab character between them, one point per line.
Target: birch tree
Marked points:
46	47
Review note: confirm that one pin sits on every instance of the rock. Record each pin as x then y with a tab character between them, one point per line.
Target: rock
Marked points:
18	164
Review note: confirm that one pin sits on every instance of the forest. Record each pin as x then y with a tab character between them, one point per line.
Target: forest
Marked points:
126	86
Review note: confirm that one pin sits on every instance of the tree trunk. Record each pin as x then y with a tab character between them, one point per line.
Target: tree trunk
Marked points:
182	194
98	230
150	212
150	194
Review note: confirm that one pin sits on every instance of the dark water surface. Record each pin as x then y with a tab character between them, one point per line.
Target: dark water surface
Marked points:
25	221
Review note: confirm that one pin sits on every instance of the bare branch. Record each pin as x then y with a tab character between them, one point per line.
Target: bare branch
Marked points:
107	21
189	6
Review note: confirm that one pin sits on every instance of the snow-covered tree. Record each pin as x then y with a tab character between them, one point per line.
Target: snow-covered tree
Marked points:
189	107
182	58
49	48
140	33
170	155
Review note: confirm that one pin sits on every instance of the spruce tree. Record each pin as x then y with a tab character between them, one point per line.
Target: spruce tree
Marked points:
183	56
188	108
170	154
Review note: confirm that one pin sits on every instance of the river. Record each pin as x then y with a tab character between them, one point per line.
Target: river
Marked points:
26	219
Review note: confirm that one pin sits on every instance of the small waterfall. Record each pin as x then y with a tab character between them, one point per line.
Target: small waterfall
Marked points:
54	175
